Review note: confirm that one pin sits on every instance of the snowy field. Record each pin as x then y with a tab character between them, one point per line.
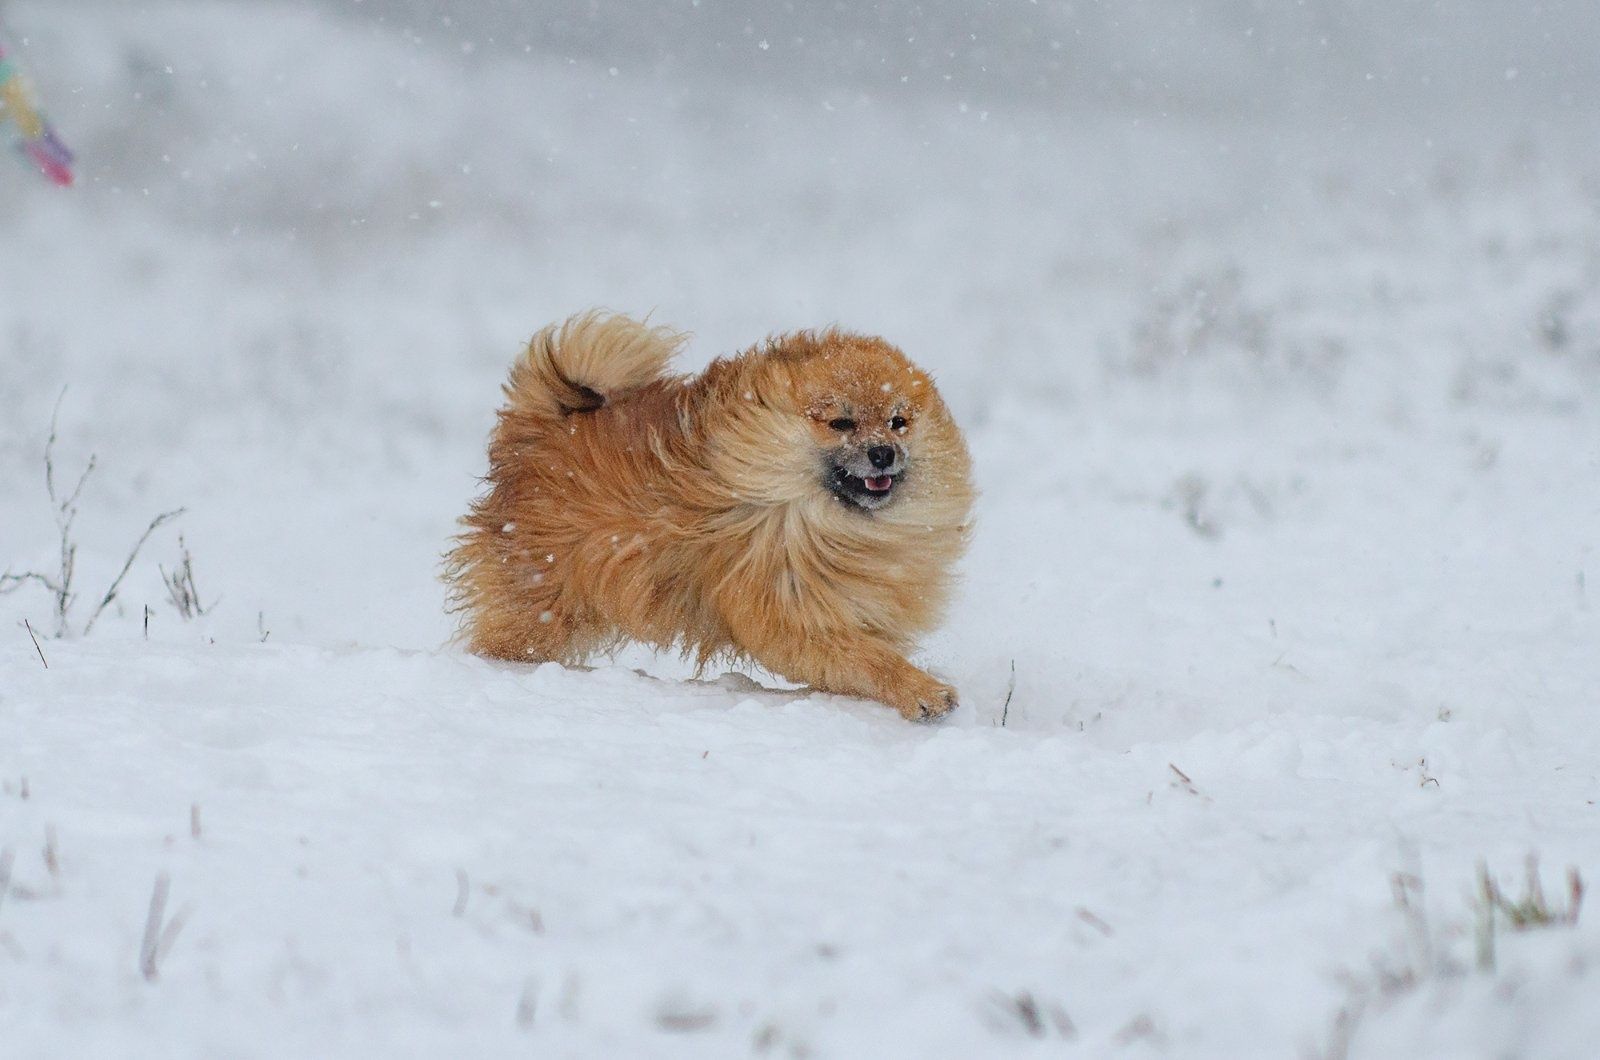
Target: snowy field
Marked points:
1277	343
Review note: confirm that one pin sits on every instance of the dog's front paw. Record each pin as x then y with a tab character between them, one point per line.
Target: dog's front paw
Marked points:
927	699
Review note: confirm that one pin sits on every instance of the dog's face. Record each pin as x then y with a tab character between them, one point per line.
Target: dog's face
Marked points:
847	419
864	408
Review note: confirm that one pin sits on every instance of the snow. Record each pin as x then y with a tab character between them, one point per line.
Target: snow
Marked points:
1284	410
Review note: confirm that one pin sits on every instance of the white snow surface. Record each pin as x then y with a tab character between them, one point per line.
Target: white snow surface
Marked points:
1282	602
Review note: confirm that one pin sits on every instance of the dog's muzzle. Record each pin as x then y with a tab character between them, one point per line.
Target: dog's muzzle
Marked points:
867	479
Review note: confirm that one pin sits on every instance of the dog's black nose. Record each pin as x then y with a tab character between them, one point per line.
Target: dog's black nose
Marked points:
881	455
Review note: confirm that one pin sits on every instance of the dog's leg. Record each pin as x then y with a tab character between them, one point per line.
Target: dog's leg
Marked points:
527	633
855	666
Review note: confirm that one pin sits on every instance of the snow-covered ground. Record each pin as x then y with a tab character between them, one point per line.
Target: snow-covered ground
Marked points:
1281	617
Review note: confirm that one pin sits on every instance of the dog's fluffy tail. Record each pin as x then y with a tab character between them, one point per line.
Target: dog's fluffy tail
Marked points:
591	358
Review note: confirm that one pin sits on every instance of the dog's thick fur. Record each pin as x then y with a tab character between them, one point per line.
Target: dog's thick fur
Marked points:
718	514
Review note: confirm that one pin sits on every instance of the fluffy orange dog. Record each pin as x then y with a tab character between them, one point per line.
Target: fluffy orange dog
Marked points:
800	504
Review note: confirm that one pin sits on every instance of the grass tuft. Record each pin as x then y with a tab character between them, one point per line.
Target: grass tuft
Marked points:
62	584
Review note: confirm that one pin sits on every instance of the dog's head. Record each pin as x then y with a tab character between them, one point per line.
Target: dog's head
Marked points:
867	409
847	418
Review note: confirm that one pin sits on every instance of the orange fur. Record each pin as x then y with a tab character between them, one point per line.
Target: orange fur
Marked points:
699	513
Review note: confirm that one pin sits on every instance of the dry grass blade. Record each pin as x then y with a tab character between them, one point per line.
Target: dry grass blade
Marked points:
111	593
159	936
1428	953
149	950
29	627
169	934
181	589
1533	909
1011	687
65	511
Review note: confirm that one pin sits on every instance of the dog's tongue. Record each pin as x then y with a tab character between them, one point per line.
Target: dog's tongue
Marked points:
878	483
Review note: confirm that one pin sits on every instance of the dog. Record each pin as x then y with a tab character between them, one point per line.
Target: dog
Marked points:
801	504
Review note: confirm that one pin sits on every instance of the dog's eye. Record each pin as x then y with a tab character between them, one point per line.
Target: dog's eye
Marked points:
842	424
898	423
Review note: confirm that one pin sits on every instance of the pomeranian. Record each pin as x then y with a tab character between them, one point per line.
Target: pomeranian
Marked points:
801	504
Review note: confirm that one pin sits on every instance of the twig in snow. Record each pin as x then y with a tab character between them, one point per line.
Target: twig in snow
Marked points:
10	583
1027	1010
571	997
111	593
158	938
1095	922
1407	889
1279	664
149	951
52	856
1190	492
7	856
1188	785
1011	686
1034	1018
35	640
1140	1027
683	1017
63	511
528	1003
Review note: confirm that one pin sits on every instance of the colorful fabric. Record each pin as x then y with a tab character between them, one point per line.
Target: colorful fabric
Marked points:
19	108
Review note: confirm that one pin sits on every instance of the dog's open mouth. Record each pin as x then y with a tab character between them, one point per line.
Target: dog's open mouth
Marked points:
870	492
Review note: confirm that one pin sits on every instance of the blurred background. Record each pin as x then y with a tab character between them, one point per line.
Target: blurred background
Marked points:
1233	293
1246	56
